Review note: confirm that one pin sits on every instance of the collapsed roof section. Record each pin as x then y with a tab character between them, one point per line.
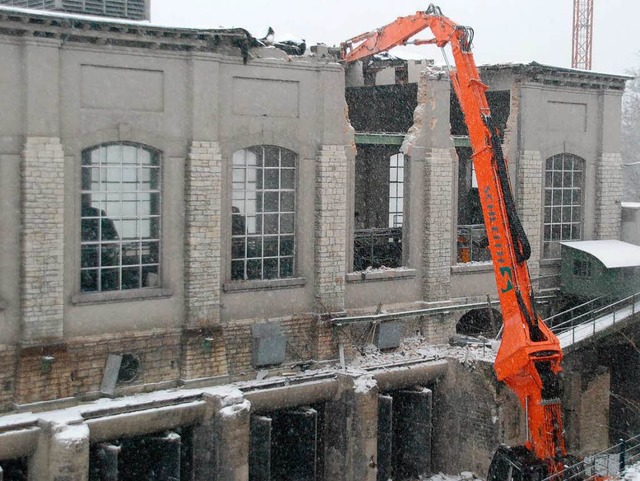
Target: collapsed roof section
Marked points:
106	31
551	75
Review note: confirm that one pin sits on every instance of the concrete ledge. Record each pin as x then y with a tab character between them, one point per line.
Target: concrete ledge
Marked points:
407	376
205	381
381	275
42	406
146	421
239	286
291	396
119	296
19	443
472	267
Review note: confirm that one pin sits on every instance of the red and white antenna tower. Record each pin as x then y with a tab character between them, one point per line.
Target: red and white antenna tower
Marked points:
582	34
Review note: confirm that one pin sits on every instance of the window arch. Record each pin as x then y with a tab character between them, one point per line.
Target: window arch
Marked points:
263	213
120	217
563	202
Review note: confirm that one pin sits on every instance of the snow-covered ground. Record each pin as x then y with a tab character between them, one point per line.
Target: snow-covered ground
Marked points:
632	473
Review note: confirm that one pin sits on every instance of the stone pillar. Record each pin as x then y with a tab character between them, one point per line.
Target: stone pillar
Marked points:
42	253
203	196
231	438
351	431
438	211
331	229
529	203
62	453
608	196
429	141
364	431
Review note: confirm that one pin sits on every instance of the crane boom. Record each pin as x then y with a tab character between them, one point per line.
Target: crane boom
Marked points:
529	357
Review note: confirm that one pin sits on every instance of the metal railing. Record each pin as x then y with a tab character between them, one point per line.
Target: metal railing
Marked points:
610	462
594	318
377	247
577	312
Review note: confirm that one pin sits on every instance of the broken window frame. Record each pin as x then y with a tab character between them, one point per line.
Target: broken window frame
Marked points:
471	238
378	247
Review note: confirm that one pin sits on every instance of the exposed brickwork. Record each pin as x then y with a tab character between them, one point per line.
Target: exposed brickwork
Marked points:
203	355
608	196
331	225
436	249
7	381
202	269
529	203
42	239
327	341
78	366
301	341
466	419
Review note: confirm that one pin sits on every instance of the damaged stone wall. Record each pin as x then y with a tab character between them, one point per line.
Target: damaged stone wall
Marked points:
472	416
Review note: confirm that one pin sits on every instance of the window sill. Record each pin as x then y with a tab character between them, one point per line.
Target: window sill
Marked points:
254	285
381	275
472	267
119	296
550	262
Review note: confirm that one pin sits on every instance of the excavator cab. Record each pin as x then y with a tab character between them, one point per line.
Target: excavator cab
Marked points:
516	464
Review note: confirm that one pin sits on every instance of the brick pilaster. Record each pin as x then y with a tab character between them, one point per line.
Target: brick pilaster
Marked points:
42	255
608	196
529	203
438	205
203	194
331	228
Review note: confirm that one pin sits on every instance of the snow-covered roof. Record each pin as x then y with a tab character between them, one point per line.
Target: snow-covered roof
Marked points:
630	205
612	253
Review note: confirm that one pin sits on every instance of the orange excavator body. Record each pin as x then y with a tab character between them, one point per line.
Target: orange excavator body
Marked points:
529	357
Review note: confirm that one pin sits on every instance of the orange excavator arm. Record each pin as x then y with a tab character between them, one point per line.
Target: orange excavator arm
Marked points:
528	359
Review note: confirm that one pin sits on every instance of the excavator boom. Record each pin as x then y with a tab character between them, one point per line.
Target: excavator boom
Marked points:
528	359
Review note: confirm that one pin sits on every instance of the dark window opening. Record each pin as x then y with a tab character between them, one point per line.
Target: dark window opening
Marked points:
499	104
129	368
13	469
287	445
581	268
383	108
480	322
379	207
402	74
404	434
472	242
152	457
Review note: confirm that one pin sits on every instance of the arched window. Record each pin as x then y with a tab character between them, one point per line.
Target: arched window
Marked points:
120	218
563	200
263	213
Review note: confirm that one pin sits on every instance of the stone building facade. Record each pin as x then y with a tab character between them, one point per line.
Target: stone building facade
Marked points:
178	234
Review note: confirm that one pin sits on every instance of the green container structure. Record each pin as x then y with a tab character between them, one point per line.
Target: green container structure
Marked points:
596	268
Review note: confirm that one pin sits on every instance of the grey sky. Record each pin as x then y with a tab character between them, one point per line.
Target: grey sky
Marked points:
506	30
